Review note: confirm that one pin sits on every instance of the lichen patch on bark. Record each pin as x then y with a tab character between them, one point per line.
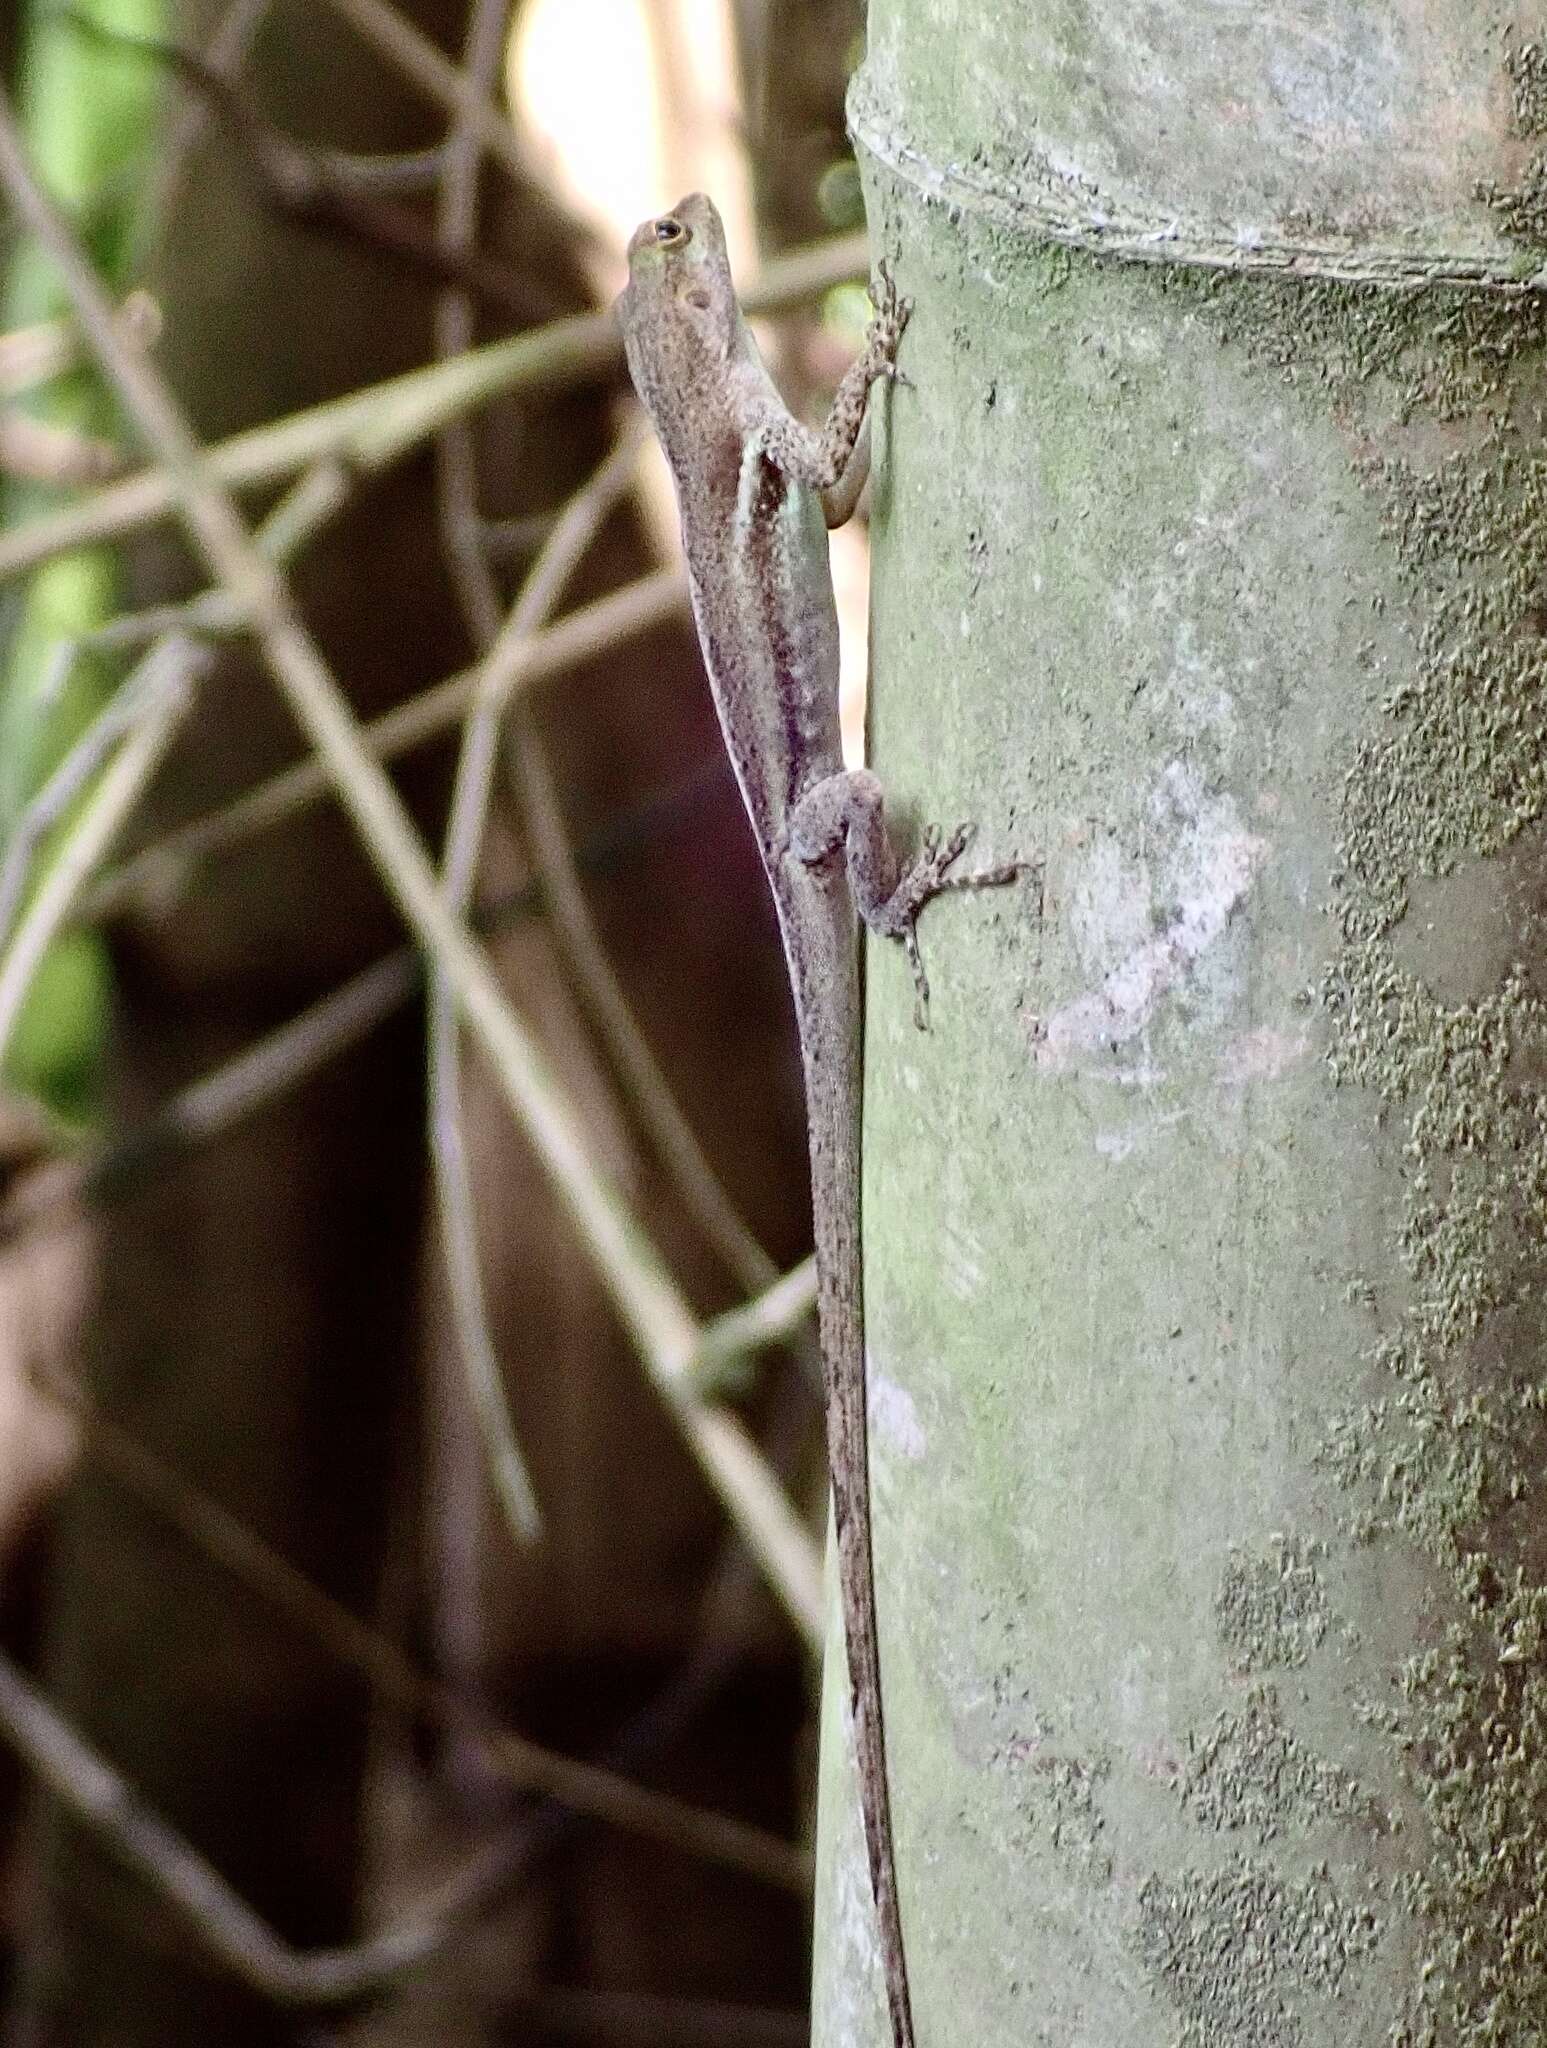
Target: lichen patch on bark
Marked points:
1272	1609
1435	396
1250	1775
1240	1948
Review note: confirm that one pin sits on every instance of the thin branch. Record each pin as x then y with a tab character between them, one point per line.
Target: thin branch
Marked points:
547	1825
279	1061
274	1063
506	668
408	171
434	74
587	1788
225	54
456	228
772	1317
303	186
649	1092
369	428
318	494
474	1338
373	427
659	1320
106	1802
652	1731
644	1084
507	540
40	451
208	615
594	629
315	497
456	1204
472	1334
571	535
163	694
30	356
125	709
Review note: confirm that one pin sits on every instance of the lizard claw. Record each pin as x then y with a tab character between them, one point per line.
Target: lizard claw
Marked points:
927	876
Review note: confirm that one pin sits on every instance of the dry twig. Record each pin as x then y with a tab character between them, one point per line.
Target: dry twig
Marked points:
502	671
773	1317
448	84
161	694
124	710
100	1797
374	427
610	622
664	1329
459	1621
280	1060
585	1788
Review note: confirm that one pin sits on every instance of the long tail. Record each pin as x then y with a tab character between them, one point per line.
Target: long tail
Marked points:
848	1454
830	1040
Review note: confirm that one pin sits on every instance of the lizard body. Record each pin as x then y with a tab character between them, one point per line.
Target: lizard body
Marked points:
756	490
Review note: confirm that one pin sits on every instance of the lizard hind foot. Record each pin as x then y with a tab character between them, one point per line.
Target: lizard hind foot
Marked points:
929	876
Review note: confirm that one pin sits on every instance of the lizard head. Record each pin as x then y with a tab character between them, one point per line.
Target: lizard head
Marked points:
679	305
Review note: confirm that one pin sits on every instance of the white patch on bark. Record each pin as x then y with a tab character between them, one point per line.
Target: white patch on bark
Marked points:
894	1415
1145	922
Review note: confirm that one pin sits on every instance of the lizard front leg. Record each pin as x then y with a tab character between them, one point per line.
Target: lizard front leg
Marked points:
846	811
825	458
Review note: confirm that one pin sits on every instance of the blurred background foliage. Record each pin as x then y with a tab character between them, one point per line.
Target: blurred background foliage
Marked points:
89	113
243	1467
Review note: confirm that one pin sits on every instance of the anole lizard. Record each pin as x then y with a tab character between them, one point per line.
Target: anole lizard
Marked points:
756	490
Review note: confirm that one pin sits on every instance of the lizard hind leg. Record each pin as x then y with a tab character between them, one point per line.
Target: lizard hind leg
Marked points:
847	810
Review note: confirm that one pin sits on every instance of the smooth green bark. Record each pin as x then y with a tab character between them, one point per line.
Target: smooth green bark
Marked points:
1205	1229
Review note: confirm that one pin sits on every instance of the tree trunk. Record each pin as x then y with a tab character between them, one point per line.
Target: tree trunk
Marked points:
1205	1226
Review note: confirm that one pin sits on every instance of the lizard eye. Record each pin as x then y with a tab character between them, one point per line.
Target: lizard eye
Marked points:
669	231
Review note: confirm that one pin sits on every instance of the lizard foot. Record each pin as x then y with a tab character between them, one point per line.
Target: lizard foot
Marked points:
930	875
886	329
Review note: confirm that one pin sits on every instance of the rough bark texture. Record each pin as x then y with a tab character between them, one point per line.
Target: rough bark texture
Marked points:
1205	1229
